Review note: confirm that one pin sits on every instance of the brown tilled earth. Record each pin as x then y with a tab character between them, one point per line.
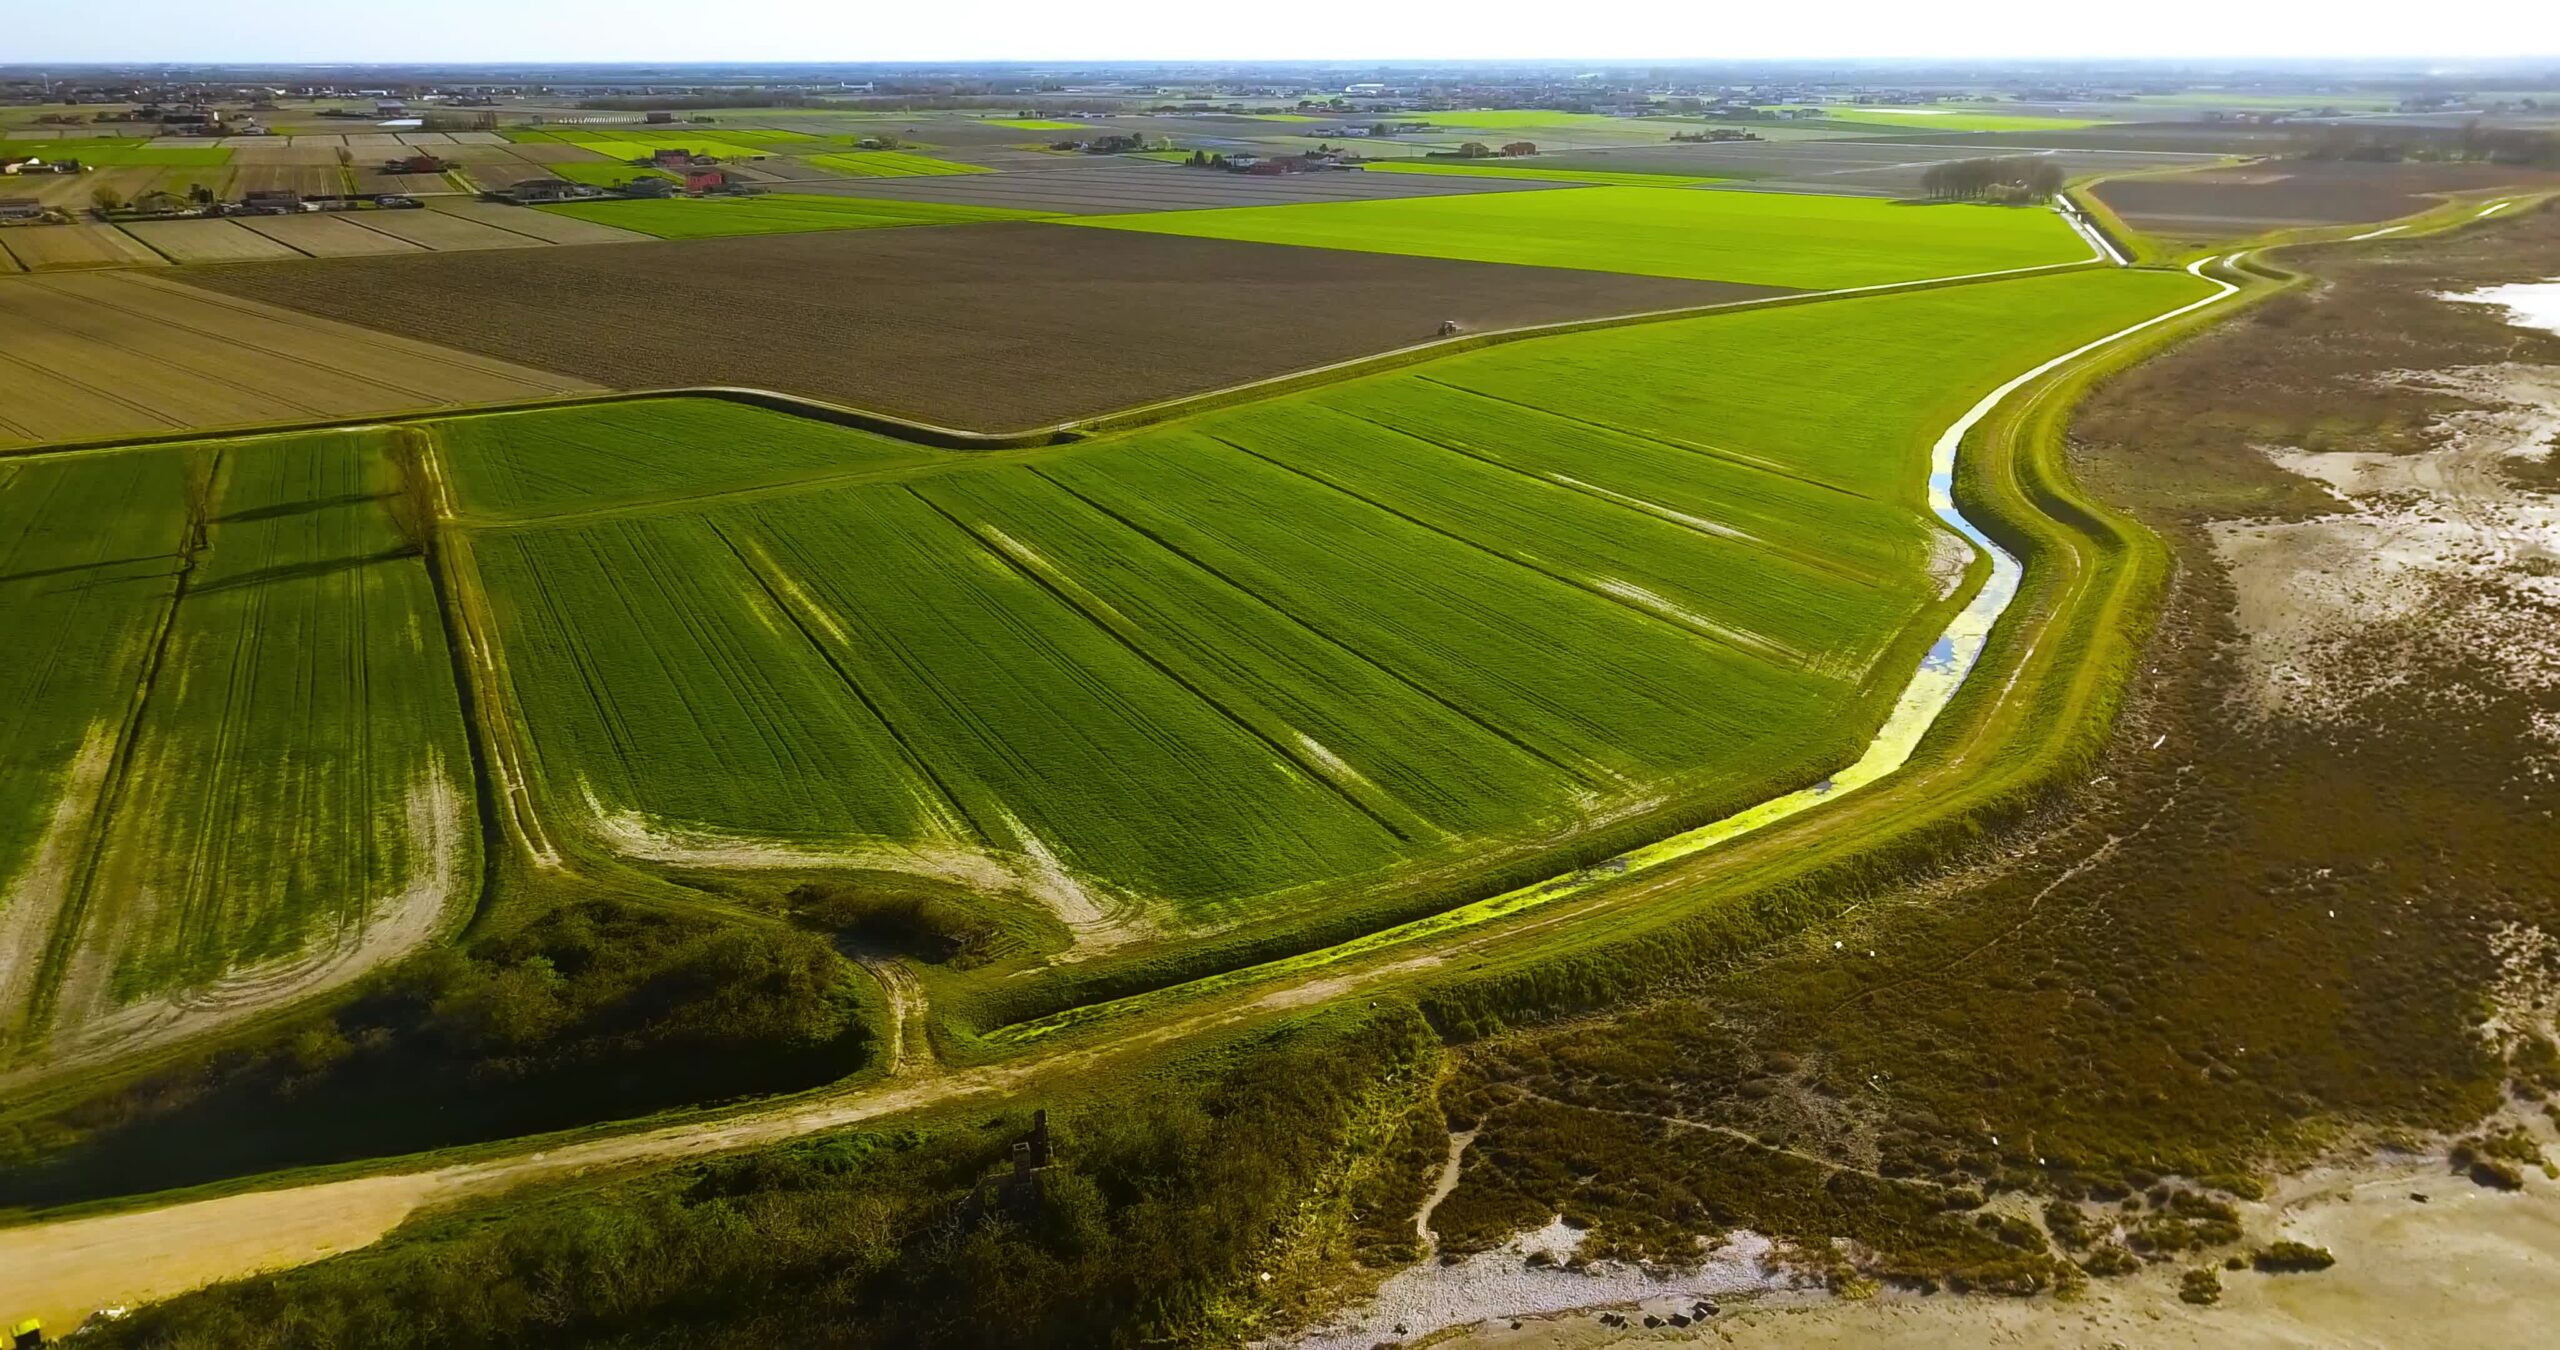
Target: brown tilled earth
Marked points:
987	327
2247	199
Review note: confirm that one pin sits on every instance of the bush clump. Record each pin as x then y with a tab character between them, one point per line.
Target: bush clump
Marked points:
2290	1257
2200	1286
905	919
596	1010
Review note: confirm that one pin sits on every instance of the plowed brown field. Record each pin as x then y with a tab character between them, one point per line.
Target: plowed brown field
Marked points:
989	327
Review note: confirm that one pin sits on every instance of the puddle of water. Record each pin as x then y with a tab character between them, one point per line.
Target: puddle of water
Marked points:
2529	304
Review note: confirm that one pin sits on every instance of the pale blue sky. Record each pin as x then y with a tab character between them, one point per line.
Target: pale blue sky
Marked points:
832	30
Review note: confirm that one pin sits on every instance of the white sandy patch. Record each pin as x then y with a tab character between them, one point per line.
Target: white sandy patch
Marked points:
2443	535
1691	619
1676	517
1098	918
2529	304
1501	1284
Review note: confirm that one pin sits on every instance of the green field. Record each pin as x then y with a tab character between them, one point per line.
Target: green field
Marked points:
607	175
122	153
1035	124
773	213
889	164
1947	119
1320	631
1768	239
260	729
1595	177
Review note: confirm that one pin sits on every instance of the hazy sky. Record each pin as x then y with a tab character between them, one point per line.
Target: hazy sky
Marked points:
832	30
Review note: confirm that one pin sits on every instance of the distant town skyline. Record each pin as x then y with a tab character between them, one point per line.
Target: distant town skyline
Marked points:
1150	30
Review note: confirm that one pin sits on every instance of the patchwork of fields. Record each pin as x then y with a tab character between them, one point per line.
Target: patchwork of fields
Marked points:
1764	238
991	328
1321	632
1338	651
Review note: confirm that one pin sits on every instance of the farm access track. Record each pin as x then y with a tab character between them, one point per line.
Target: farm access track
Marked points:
2046	679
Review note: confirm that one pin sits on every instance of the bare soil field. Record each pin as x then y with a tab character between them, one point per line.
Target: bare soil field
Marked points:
80	244
540	225
1855	168
122	353
308	179
304	151
207	241
441	231
1109	186
2251	198
988	327
2204	138
327	236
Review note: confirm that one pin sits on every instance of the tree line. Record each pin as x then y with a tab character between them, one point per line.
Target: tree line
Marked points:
2016	179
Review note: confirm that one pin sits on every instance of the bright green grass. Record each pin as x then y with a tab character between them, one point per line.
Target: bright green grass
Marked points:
122	153
612	455
1597	177
605	175
1950	119
1764	238
890	164
775	213
1035	124
641	147
300	765
1297	649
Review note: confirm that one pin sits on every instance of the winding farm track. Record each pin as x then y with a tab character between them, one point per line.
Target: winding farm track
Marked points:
63	1268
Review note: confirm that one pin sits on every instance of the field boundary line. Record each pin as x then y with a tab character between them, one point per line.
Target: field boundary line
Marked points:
1057	433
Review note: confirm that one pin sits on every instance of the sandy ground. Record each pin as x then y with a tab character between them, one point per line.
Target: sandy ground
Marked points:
2446	536
2466	1267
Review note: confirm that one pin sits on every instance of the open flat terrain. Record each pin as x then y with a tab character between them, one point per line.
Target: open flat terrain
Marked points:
2254	198
1007	666
124	354
990	327
1769	239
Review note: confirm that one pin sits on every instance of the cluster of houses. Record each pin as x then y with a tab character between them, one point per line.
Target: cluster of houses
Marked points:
697	176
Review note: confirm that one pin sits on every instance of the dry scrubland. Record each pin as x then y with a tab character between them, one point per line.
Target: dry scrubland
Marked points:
126	355
2301	904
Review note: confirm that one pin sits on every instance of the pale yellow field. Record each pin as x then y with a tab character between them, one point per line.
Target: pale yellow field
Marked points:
540	224
126	353
327	236
207	241
80	244
444	233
